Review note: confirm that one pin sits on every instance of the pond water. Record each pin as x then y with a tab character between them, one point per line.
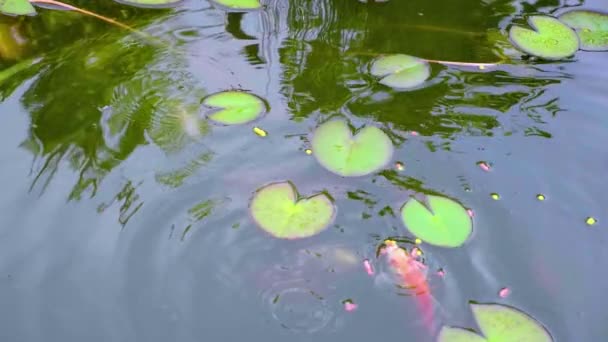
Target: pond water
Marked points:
124	215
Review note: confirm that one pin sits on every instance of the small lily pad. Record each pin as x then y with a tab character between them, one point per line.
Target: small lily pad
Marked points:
498	323
151	3
17	7
337	150
549	38
278	210
240	4
591	27
445	223
401	71
234	107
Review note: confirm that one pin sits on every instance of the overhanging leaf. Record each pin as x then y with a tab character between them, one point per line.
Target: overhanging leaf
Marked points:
17	7
277	210
548	39
591	27
446	224
337	150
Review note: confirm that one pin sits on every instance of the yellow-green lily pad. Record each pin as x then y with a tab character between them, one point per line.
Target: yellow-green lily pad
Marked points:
234	107
17	7
240	4
278	209
151	3
498	323
444	223
591	27
401	71
337	150
549	38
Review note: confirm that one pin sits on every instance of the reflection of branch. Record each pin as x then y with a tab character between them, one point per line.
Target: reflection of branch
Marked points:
95	15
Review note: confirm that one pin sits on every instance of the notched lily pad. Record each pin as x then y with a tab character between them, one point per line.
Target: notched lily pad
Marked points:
17	7
239	4
401	71
234	107
277	209
549	38
337	150
498	323
151	3
444	223
591	27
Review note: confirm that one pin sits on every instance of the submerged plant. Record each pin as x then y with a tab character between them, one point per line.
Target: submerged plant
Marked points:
548	38
278	209
590	26
338	150
498	323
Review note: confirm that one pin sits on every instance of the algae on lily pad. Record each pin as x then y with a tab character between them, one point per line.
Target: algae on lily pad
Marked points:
277	209
151	3
234	107
549	38
17	7
401	71
591	27
337	150
498	323
240	4
444	223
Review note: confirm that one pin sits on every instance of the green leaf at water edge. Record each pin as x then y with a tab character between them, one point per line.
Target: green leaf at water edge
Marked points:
277	210
151	3
401	71
17	7
452	334
549	38
240	4
337	150
446	224
500	323
235	107
591	27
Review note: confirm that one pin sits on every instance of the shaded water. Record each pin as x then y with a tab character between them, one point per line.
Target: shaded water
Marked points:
123	216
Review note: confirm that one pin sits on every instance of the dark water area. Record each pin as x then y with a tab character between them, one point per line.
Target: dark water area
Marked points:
124	214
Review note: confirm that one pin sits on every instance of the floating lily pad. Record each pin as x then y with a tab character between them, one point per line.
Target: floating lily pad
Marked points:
401	71
234	107
151	3
498	323
445	223
337	150
591	27
17	7
240	4
549	38
277	209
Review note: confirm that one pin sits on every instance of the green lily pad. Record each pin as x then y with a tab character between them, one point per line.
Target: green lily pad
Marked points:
337	150
150	3
498	323
446	224
17	7
591	27
401	71
240	4
277	209
548	39
235	107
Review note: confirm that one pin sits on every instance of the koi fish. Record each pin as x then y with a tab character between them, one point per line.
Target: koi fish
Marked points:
413	275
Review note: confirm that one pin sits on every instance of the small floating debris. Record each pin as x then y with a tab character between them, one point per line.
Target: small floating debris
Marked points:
349	306
470	212
368	267
484	166
495	196
504	292
259	131
441	272
540	197
308	151
418	241
399	166
414	133
590	221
